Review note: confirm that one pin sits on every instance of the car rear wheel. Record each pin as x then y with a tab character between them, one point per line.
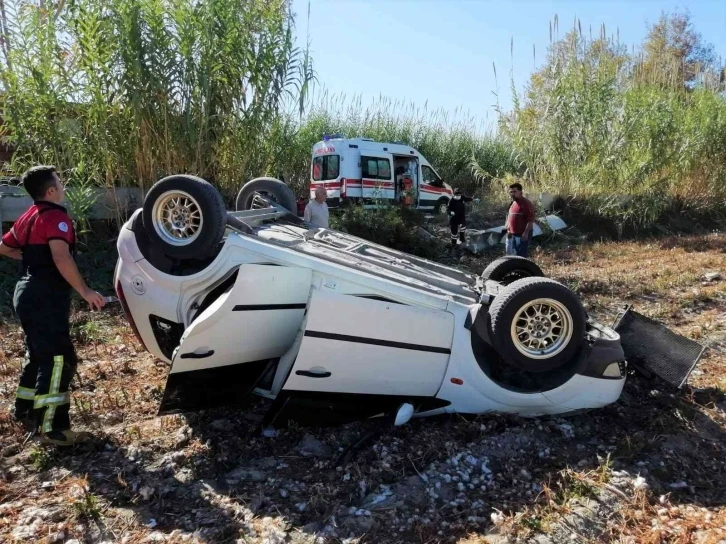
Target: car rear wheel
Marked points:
259	192
537	324
184	217
442	206
507	269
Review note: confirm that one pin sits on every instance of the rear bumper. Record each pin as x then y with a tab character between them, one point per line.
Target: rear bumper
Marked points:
602	352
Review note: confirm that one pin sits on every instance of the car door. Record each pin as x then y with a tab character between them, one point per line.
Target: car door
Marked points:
357	357
377	176
432	188
226	349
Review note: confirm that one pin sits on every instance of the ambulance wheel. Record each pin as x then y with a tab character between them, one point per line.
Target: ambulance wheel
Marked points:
184	216
259	192
507	269
442	206
537	324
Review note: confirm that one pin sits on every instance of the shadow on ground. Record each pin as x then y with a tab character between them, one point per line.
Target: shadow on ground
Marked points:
431	480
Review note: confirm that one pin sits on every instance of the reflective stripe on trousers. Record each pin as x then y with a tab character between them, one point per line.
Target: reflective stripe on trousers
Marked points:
54	397
25	393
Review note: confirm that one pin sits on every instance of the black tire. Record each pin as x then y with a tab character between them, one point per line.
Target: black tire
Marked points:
270	187
512	300
507	269
204	198
441	206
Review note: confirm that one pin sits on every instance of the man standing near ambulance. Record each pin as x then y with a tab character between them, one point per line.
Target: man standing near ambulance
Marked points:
44	239
316	212
520	222
457	220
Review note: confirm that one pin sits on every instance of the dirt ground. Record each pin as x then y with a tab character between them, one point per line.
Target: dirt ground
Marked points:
650	468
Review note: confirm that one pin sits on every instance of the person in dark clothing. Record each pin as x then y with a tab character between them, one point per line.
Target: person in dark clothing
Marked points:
44	239
457	217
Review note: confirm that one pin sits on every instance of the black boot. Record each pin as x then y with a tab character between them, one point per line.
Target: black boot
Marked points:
25	416
65	438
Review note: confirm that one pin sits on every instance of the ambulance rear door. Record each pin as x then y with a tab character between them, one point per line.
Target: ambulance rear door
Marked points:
377	174
325	171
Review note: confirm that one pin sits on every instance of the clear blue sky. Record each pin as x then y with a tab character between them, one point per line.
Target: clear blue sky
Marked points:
442	51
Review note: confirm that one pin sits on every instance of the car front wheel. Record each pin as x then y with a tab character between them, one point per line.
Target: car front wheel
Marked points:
537	324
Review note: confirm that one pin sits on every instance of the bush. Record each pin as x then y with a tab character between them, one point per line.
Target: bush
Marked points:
397	228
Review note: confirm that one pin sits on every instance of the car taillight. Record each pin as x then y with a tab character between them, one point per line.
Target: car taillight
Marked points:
125	306
343	187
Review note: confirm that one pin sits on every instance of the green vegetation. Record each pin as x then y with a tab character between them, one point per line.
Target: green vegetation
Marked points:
127	91
389	226
40	458
632	136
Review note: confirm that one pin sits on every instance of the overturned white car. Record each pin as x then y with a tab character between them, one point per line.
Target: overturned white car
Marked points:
335	328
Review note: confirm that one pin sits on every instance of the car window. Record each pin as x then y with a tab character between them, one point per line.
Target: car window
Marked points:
376	168
318	168
327	167
333	166
384	169
430	178
370	168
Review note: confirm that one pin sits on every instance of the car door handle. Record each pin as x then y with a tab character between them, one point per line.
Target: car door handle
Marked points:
193	355
309	374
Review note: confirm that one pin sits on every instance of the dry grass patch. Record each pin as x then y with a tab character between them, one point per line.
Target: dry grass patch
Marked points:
170	476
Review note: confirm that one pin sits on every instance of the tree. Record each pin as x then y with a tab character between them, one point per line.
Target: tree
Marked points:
675	56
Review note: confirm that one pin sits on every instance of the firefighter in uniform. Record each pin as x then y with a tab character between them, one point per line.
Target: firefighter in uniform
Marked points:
457	217
44	239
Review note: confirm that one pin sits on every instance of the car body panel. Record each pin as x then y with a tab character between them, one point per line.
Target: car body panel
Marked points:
596	392
256	319
371	347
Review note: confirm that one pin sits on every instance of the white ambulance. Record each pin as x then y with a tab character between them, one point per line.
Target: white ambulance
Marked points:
360	170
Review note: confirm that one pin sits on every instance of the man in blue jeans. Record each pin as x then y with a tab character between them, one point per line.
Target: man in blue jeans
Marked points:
520	222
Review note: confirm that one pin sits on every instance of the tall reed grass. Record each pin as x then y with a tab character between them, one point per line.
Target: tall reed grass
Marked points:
125	91
593	126
448	139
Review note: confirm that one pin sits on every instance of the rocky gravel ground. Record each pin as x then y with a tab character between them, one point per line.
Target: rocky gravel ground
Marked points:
650	468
